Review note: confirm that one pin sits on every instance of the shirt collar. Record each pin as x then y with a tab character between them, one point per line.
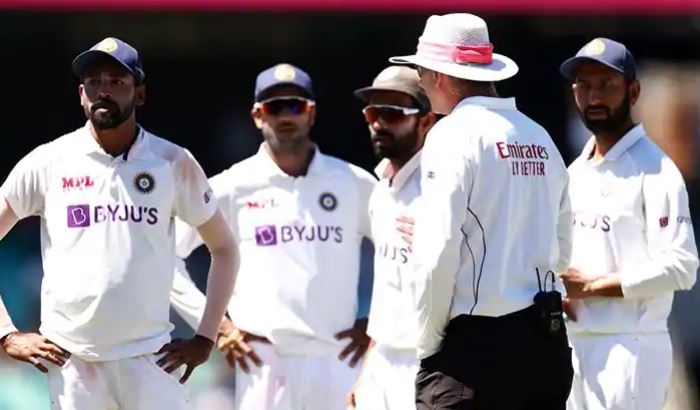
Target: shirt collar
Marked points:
89	145
625	143
402	175
272	169
492	103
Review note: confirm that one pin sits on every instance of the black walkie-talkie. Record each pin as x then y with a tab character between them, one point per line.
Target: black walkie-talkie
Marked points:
550	312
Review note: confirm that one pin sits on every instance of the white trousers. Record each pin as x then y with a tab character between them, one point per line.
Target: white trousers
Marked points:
319	382
135	383
620	372
388	380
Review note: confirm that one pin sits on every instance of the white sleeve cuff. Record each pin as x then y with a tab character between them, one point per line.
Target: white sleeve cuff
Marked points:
7	329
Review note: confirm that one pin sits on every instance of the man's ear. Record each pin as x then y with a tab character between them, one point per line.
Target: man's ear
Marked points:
140	97
635	90
312	115
426	122
257	116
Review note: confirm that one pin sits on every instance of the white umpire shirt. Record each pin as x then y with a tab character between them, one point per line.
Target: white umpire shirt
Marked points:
631	218
494	207
299	241
392	316
107	238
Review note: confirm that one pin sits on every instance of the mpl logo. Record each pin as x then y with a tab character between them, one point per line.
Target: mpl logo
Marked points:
261	203
80	183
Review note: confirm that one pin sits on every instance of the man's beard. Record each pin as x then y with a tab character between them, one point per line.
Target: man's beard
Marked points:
615	120
398	148
112	118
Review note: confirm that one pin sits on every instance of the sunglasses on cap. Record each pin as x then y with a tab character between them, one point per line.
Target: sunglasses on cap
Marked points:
389	113
292	105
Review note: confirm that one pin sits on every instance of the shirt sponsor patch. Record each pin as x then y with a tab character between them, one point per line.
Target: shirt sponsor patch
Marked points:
664	221
79	183
261	203
525	160
270	235
85	215
684	220
266	235
78	216
591	221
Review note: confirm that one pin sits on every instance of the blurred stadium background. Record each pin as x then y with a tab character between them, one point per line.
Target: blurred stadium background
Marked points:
201	58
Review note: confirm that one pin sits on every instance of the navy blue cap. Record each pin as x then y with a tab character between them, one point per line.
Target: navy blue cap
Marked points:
604	51
282	74
118	50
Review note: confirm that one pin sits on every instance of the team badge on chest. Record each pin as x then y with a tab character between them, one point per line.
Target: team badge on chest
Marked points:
328	201
144	182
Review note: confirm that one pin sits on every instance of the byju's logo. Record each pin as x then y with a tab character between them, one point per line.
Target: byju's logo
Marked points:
82	216
270	235
78	216
266	235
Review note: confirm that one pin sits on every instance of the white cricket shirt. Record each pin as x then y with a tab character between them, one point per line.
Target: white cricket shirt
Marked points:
494	206
631	218
299	241
107	238
392	316
6	325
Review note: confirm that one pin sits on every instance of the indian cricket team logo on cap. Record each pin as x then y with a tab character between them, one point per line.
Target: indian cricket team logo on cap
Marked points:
144	182
595	47
328	201
284	72
107	45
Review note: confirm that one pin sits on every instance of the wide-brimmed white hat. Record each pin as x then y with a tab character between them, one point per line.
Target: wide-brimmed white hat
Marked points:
458	45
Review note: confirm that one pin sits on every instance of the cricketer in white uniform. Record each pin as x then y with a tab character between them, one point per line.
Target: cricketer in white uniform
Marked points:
299	217
633	242
107	195
398	116
494	211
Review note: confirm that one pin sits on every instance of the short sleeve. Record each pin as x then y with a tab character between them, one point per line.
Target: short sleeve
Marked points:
25	187
187	237
194	200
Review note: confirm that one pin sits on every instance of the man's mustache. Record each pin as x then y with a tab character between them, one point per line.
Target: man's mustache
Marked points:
598	108
106	104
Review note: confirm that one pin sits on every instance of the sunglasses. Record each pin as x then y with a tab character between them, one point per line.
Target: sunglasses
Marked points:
278	105
389	113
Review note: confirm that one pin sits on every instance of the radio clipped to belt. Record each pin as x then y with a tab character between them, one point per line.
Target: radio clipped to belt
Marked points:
548	304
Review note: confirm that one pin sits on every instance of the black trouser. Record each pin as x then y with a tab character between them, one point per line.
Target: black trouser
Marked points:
496	363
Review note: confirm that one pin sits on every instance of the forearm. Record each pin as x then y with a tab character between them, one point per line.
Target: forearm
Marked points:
607	286
222	275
